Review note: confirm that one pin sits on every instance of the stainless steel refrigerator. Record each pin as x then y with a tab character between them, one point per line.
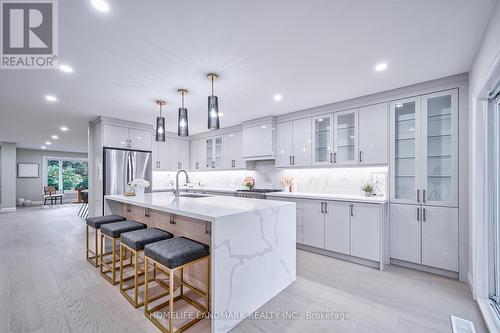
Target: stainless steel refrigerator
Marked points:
121	166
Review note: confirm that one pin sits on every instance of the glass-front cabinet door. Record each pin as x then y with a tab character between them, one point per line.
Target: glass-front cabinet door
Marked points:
322	136
219	153
210	152
345	137
440	148
405	150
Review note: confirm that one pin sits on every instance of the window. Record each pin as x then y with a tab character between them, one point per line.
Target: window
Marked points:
66	174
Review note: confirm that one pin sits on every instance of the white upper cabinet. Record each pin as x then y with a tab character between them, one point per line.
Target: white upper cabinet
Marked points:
214	153
128	138
301	141
322	140
258	141
116	136
424	149
293	140
140	139
198	155
232	151
373	133
439	150
345	149
284	151
184	154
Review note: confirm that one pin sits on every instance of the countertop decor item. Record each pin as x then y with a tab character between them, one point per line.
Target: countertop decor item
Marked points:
367	189
139	185
287	183
249	183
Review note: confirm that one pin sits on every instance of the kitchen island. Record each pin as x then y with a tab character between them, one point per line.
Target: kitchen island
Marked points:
252	245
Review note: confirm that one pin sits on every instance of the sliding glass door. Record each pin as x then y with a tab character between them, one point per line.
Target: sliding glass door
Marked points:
494	201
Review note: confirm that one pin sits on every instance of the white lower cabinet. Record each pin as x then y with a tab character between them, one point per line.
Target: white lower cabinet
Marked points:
337	230
345	227
365	231
440	237
406	238
426	235
313	223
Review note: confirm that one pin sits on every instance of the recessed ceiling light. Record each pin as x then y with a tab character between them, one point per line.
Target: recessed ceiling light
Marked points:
63	128
65	69
55	137
48	143
263	126
100	5
380	67
278	97
43	147
51	98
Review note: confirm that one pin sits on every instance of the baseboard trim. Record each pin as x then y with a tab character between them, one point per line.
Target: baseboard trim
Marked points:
428	269
341	256
8	210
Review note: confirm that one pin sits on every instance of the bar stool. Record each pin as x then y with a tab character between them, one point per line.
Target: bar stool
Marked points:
134	241
113	231
169	256
95	223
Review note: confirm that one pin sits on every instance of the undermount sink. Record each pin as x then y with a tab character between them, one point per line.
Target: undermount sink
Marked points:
193	195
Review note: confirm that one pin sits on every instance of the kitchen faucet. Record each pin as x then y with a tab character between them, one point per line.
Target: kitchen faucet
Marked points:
176	192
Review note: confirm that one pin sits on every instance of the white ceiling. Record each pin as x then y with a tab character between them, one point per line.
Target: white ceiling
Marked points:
311	52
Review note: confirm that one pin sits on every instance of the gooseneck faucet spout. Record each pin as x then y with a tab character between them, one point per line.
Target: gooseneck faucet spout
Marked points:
176	192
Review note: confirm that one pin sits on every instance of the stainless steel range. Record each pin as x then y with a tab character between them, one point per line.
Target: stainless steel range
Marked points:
255	193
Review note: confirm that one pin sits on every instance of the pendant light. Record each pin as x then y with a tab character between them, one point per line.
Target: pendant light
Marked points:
160	123
182	125
213	105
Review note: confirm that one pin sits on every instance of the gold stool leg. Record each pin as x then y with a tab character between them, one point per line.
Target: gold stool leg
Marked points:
146	284
171	301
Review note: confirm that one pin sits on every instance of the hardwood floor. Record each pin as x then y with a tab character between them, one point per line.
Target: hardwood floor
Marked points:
46	285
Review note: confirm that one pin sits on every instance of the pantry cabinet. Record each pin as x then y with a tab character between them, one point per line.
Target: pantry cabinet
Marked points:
426	235
293	141
424	149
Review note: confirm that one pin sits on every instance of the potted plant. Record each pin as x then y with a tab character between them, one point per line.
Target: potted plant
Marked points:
139	185
248	183
367	189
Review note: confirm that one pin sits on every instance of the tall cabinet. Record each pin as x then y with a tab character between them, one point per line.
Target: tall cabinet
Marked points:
424	180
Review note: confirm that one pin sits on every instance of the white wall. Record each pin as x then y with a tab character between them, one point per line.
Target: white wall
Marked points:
487	57
320	180
32	188
8	176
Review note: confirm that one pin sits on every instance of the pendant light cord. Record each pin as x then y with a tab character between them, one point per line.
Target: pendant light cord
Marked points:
182	94
212	78
161	107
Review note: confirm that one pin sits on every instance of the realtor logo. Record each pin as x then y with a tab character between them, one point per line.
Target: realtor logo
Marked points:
29	34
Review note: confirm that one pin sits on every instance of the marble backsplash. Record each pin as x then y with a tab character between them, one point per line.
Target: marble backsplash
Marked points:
346	180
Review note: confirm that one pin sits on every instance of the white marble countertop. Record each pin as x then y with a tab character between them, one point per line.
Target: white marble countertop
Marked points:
207	208
298	195
328	196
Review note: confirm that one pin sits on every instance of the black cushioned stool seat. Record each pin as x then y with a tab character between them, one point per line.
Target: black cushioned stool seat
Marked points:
95	223
136	240
112	232
176	252
171	257
115	229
